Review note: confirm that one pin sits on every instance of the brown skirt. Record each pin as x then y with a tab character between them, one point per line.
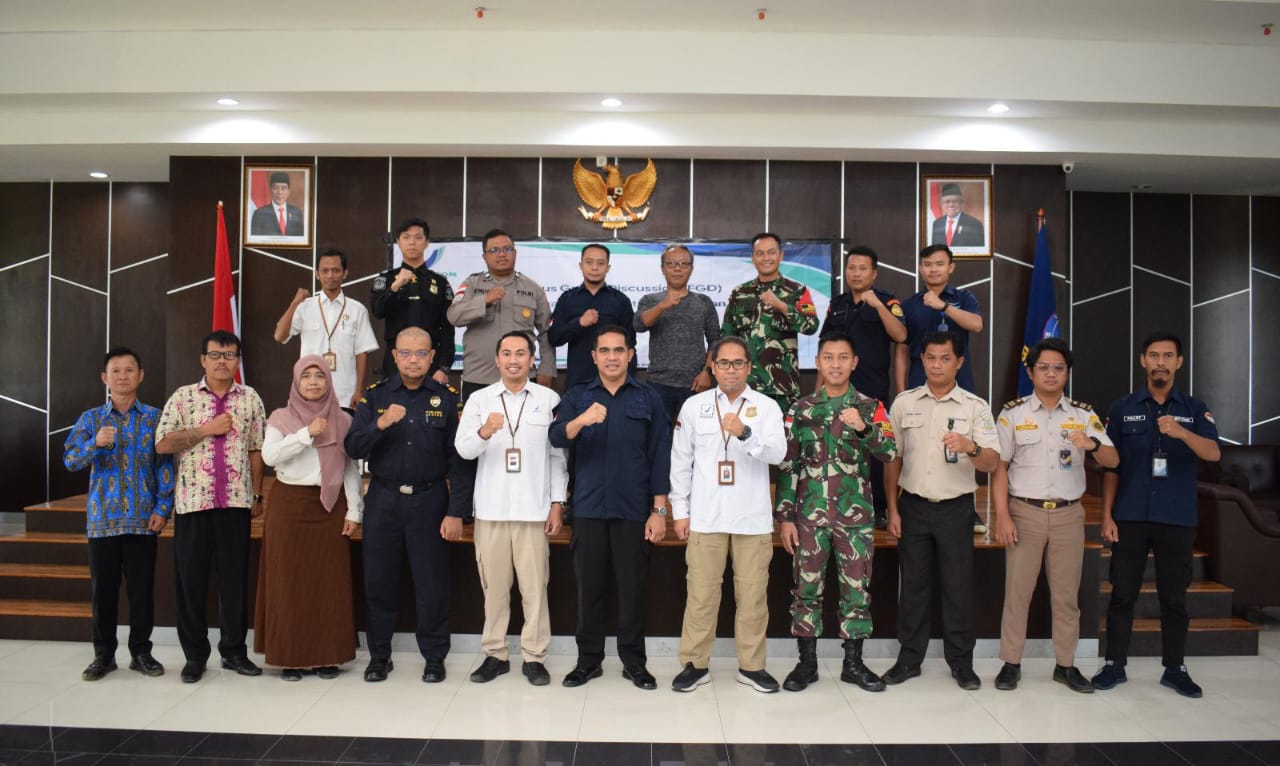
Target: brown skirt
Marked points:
304	616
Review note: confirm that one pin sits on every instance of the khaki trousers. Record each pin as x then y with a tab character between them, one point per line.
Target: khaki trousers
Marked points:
506	550
1058	536
705	556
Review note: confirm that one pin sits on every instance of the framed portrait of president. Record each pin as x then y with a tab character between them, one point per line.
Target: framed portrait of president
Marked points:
278	205
957	211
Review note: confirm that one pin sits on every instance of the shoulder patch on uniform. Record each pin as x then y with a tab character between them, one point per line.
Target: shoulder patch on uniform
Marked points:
1082	405
375	384
379	283
449	387
895	308
1014	403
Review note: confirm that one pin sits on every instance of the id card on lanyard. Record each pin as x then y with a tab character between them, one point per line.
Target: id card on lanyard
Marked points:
1159	458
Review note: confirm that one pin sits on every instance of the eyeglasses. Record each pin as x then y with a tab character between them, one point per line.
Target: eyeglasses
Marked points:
508	250
407	354
677	264
1058	368
216	355
731	364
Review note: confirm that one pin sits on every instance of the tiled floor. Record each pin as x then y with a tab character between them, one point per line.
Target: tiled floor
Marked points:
51	716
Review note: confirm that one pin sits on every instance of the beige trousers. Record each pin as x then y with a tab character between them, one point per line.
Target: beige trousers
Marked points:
705	556
1057	538
505	551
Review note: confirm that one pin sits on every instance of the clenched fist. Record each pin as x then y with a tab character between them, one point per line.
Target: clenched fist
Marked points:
596	413
853	418
318	426
106	437
219	425
589	317
403	277
491	425
934	301
393	415
494	295
773	301
732	424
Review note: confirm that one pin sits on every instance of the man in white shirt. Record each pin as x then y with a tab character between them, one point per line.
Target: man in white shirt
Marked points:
724	442
332	326
519	502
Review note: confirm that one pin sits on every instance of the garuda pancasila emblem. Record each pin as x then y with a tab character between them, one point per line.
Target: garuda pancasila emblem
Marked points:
610	201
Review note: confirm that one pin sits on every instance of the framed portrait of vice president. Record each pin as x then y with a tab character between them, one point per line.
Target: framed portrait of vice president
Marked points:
956	211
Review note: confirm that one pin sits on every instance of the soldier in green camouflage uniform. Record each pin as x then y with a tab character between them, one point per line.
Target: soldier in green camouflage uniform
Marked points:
824	505
769	312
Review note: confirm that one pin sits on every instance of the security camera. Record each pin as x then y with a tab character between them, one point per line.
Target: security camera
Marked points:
1067	167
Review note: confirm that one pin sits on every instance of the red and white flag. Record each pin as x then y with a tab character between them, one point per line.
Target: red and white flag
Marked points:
225	315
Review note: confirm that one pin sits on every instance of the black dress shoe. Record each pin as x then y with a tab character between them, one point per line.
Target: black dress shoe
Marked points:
328	672
98	668
536	672
1009	676
241	665
965	678
433	673
378	669
491	668
291	674
640	676
1071	678
580	675
192	672
146	665
899	673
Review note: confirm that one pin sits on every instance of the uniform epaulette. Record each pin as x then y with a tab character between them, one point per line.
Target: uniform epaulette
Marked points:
1014	403
1082	405
374	385
451	389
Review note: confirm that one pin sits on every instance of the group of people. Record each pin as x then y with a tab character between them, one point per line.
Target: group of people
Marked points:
720	422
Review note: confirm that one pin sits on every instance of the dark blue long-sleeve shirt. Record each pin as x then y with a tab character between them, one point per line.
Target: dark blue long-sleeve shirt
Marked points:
613	308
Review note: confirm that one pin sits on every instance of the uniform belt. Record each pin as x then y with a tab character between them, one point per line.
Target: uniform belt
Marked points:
1047	505
936	501
405	489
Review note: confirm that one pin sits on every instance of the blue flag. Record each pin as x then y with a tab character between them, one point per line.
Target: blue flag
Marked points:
1042	314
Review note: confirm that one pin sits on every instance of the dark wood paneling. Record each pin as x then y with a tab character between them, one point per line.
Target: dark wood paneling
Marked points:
1101	345
1100	236
1266	434
24	293
24	222
269	285
1159	305
804	199
1220	245
138	319
430	188
728	199
502	193
669	218
196	184
351	211
22	464
899	284
139	222
879	211
80	220
1021	191
1162	234
1219	370
64	483
967	272
189	316
79	328
1005	321
560	201
1266	362
1266	235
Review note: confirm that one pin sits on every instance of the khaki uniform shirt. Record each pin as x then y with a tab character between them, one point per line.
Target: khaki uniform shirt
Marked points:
919	420
1043	465
523	307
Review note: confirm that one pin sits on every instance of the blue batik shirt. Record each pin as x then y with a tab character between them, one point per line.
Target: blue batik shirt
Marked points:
127	482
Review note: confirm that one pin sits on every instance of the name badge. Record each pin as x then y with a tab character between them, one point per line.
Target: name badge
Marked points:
330	359
1065	458
725	470
513	460
1159	466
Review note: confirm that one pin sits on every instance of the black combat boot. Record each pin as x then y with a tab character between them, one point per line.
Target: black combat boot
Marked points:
854	672
806	670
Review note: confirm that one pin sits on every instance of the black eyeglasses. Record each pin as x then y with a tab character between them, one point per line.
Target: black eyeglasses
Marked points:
410	353
216	355
677	264
734	364
508	250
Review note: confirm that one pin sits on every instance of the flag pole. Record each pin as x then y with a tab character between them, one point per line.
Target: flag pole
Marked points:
1039	219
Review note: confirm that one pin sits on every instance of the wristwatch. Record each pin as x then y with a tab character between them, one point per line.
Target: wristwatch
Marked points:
257	498
746	433
661	510
1097	445
977	450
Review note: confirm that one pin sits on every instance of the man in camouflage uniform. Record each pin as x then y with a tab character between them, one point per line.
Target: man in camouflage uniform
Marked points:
769	312
824	505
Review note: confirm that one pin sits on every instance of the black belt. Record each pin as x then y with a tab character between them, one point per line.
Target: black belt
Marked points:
405	489
1047	505
939	500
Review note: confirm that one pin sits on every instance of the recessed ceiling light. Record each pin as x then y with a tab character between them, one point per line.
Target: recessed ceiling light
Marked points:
611	102
998	108
97	174
228	102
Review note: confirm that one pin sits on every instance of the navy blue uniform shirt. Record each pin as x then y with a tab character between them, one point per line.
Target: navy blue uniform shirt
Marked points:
613	307
922	320
624	461
420	303
871	343
1131	425
418	449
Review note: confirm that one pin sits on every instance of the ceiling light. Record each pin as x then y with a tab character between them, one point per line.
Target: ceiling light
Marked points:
998	108
228	102
611	102
97	174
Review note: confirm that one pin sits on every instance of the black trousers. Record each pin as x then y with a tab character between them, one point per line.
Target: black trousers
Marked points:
601	546
941	534
202	542
1172	547
134	557
396	527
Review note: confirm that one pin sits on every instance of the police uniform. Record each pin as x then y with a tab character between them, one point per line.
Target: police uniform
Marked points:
771	334
1046	481
405	504
936	508
523	307
421	302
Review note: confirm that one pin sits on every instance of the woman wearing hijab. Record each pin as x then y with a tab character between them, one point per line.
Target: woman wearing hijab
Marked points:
304	616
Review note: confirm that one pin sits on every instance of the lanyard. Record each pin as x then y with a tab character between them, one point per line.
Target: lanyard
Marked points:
502	398
1157	439
742	400
328	332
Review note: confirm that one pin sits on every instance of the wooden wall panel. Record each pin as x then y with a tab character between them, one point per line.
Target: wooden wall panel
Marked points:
804	199
269	285
1266	362
351	211
22	465
1100	240
1020	191
728	199
1219	373
975	276
880	212
1220	247
1162	234
1101	345
1159	305
80	223
669	218
138	315
79	330
1005	320
24	222
502	193
1265	239
430	188
196	184
188	318
139	222
24	293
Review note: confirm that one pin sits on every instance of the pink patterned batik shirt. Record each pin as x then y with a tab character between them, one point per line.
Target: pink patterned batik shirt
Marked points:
214	473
